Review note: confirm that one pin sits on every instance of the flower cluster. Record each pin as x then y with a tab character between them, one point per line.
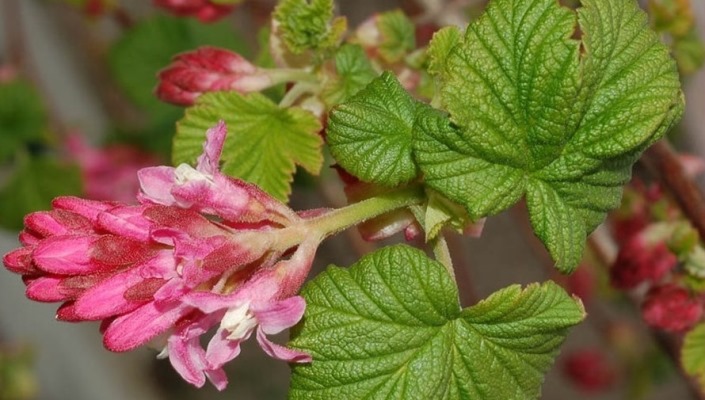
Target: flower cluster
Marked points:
657	250
671	308
201	250
204	10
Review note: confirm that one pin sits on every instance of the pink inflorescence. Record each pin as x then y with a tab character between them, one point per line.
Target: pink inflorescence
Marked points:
197	253
671	308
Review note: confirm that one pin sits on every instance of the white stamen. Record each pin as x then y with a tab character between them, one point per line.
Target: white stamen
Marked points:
239	321
185	173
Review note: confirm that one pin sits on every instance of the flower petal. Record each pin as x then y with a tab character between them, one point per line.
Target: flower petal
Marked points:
57	222
66	255
281	315
140	326
87	208
156	184
212	148
280	352
19	261
221	349
46	289
126	221
188	359
107	298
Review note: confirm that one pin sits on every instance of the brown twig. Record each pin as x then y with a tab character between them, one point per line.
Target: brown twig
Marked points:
662	161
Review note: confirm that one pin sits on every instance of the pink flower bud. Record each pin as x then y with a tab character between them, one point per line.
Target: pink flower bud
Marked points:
671	308
208	69
204	10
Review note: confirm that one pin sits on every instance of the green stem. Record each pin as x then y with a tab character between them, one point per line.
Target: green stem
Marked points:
282	75
343	218
442	254
340	219
296	92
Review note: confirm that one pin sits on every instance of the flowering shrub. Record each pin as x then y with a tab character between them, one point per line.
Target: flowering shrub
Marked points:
532	101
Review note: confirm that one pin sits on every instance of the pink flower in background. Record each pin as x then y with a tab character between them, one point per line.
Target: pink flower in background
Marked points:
644	257
590	370
163	273
671	308
8	73
204	10
208	69
109	173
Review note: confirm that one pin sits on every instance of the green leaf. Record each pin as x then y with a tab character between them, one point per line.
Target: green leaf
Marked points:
354	71
693	354
398	35
264	142
309	24
533	114
689	52
22	118
149	47
391	327
370	135
439	49
33	186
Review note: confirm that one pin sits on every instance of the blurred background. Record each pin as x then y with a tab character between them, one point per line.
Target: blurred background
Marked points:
76	109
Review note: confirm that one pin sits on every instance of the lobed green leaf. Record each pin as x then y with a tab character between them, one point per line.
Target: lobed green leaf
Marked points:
370	135
536	112
390	326
397	34
353	72
264	142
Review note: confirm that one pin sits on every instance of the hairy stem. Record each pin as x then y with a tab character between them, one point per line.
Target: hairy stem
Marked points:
338	220
343	218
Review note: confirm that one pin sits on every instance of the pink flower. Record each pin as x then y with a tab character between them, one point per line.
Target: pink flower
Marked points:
109	173
589	370
671	308
163	273
644	257
208	69
8	73
204	10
